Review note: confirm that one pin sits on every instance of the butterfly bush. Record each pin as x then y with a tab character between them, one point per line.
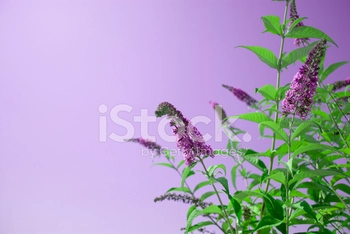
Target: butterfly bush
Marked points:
301	180
241	95
293	17
299	98
189	140
219	110
147	144
340	84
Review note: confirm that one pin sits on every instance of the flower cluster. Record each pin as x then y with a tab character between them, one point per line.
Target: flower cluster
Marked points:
183	198
341	84
294	16
219	110
299	97
241	95
147	143
189	140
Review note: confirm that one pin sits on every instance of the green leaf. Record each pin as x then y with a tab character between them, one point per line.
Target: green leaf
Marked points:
301	129
207	194
272	24
267	222
164	164
321	113
233	175
180	163
184	189
265	55
314	173
308	32
314	186
212	209
185	174
256	117
201	185
192	208
238	209
295	22
195	213
343	187
223	181
199	225
329	70
340	166
212	169
240	195
279	177
255	162
275	128
297	54
268	91
307	208
310	147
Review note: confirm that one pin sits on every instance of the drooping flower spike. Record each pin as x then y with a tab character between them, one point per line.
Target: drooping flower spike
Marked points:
189	140
219	110
147	144
294	16
341	84
299	98
241	95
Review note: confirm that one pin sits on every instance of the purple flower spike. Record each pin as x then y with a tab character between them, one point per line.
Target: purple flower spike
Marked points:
299	97
241	95
341	84
294	16
219	110
189	140
147	144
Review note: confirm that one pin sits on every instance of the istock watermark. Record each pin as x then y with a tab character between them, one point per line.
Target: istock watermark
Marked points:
174	152
145	119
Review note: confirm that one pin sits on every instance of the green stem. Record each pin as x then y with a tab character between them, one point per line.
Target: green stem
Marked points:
217	194
279	69
288	210
336	125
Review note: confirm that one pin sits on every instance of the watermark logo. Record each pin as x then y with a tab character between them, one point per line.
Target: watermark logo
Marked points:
110	116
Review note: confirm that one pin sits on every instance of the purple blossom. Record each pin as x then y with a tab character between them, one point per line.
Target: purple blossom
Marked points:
241	95
341	84
294	16
219	110
299	97
147	144
188	139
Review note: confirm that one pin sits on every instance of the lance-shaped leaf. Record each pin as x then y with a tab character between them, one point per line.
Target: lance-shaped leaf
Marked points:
295	22
272	24
213	209
308	32
200	225
297	54
256	117
329	70
268	91
267	222
310	147
275	129
301	129
265	55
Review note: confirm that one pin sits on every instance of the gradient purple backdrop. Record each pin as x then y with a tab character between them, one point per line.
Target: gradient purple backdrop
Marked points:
61	59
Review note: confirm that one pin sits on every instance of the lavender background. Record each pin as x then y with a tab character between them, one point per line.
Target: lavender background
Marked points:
61	59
